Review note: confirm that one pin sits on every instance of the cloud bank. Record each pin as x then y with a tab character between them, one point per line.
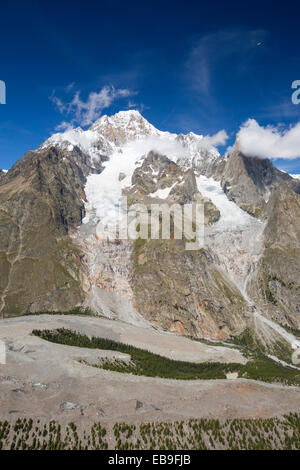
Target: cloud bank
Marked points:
269	142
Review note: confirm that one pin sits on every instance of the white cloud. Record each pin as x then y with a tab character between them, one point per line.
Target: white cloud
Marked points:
220	138
230	149
70	87
58	102
64	126
132	104
269	142
170	146
86	112
164	144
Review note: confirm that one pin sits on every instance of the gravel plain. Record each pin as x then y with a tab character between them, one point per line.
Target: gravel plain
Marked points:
47	381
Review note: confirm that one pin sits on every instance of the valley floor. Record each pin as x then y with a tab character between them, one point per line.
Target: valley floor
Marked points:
46	381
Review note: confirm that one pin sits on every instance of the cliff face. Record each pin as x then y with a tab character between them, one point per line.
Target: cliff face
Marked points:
41	201
249	182
183	291
272	196
275	286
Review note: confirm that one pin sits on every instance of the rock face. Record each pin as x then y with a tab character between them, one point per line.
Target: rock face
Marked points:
53	258
268	194
172	286
2	174
250	181
156	173
274	286
41	201
159	180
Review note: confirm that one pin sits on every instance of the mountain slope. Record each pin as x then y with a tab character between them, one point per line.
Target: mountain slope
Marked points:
274	286
53	258
41	201
250	181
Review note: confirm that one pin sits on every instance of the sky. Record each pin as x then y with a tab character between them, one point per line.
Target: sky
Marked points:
186	66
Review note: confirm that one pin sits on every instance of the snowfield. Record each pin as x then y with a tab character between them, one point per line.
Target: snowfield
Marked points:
232	216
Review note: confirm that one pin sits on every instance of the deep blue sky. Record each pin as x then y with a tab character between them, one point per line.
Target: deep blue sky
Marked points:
200	66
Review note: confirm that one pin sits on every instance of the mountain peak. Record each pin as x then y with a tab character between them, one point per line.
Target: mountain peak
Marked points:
126	115
121	118
124	126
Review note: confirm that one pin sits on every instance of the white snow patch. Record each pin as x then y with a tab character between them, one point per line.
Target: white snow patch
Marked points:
163	193
104	191
235	238
231	215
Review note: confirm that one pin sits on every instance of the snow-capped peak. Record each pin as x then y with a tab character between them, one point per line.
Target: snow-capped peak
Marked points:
122	117
124	126
109	134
